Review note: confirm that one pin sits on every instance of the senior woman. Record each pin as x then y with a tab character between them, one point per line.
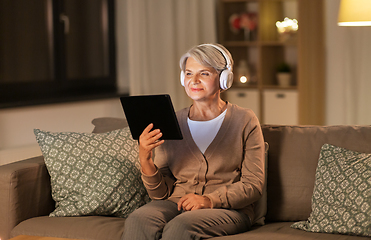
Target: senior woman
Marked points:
206	184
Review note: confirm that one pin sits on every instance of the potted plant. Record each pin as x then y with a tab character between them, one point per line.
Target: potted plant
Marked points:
284	74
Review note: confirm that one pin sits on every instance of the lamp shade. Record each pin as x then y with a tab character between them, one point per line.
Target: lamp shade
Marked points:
355	13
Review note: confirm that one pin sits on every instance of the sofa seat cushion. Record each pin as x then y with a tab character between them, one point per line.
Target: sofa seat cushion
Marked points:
283	231
87	227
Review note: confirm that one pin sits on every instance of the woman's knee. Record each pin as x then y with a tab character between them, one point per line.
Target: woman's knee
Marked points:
200	224
135	219
180	227
154	214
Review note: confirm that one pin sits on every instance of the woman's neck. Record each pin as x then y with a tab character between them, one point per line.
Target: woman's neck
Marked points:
205	111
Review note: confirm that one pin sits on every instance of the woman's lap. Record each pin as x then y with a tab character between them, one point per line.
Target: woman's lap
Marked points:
161	220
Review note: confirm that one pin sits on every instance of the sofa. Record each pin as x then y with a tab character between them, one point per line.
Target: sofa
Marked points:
26	201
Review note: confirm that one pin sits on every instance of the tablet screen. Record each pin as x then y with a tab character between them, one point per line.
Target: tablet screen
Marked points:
142	110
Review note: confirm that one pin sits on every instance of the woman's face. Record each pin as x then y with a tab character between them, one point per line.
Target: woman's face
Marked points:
200	82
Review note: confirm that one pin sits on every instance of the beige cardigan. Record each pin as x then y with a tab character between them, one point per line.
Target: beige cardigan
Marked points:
230	173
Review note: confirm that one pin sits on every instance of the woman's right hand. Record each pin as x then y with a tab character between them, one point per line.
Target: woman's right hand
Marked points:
148	141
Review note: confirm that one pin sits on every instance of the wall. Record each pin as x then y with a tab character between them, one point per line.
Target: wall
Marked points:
348	71
17	140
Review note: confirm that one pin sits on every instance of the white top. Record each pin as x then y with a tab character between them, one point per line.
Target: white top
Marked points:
204	132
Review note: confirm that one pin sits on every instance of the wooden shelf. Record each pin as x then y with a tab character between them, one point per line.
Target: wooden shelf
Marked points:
258	43
247	86
277	43
236	1
241	44
304	52
277	87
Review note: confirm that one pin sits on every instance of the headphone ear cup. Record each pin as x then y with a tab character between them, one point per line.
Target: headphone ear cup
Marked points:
182	78
226	79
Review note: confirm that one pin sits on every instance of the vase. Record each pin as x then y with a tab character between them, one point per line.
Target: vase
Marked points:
284	79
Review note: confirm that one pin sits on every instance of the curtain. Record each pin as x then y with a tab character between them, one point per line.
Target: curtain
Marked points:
158	33
348	71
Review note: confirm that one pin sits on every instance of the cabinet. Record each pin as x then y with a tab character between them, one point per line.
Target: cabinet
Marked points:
262	49
280	106
246	98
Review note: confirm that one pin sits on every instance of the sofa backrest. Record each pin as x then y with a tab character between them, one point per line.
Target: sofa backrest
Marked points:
292	161
107	124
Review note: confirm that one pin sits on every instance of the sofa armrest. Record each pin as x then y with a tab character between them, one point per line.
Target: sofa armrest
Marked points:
24	193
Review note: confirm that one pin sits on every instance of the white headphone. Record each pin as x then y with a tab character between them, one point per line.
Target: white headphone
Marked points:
226	75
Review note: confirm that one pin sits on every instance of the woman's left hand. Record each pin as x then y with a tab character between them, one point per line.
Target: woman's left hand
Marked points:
192	201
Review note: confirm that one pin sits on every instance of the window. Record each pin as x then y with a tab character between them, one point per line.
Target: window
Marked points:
51	50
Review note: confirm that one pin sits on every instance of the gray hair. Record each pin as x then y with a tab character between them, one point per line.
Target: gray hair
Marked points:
208	55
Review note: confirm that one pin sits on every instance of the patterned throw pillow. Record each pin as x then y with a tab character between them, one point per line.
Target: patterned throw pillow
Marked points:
93	174
341	201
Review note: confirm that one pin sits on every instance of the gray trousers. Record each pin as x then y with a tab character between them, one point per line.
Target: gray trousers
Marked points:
161	219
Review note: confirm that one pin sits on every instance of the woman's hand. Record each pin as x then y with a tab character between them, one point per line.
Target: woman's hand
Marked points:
148	141
192	201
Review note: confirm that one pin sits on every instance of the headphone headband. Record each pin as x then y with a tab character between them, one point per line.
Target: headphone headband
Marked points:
227	60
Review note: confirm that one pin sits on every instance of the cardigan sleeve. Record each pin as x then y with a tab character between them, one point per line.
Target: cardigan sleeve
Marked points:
160	184
250	186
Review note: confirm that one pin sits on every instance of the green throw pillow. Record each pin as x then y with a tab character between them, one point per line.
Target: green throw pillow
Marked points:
342	193
93	174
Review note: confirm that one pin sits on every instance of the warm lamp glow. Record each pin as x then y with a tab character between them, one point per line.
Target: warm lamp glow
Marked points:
355	13
243	72
287	25
243	79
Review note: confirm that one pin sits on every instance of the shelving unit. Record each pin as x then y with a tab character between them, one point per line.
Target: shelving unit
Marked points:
264	51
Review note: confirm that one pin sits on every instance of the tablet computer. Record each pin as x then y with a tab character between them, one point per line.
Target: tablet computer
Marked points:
142	110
